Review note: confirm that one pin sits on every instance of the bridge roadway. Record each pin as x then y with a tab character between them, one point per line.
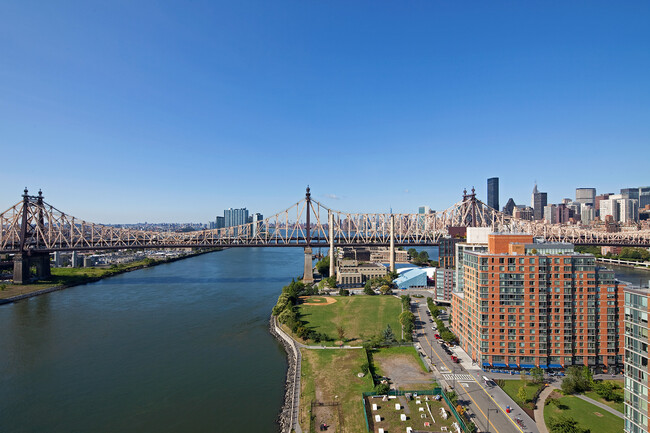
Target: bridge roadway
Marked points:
469	386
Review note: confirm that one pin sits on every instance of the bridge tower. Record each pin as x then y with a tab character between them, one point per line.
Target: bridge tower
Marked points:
308	274
26	258
330	229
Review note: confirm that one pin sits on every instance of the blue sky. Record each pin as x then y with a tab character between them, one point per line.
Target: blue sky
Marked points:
173	111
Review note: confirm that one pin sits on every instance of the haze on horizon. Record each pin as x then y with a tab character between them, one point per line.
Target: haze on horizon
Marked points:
128	112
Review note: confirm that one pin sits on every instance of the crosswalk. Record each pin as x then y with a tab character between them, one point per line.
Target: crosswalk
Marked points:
458	377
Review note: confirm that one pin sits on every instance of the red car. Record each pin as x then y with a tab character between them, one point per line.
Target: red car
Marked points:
454	358
437	336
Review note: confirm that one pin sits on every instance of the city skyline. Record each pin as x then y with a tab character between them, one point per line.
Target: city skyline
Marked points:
127	113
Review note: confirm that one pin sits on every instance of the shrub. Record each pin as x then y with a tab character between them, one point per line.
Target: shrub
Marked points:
382	388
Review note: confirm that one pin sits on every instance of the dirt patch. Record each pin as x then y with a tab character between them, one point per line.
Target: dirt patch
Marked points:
316	300
598	414
326	415
402	370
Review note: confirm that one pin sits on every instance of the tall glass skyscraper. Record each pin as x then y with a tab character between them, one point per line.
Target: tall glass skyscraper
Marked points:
493	192
235	217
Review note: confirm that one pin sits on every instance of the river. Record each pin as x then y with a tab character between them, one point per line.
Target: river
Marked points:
179	347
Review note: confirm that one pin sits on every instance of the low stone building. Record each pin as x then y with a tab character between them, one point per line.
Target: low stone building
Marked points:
352	274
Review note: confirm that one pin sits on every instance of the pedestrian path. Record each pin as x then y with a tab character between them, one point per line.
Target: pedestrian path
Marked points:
539	408
600	405
459	377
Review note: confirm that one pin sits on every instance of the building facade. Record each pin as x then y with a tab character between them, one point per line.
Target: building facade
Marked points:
636	360
526	303
352	274
538	202
493	192
447	252
444	284
586	195
235	217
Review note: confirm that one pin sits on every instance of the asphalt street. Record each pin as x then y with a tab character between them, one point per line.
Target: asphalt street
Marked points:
485	400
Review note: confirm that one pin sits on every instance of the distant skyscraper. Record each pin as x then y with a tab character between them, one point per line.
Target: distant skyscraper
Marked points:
644	196
493	192
586	195
539	201
220	222
257	223
509	208
235	217
630	193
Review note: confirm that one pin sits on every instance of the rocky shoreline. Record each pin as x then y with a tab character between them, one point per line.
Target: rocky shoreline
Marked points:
289	407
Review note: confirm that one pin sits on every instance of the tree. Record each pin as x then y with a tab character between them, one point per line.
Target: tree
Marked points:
344	292
323	266
382	388
537	375
392	275
341	332
521	394
385	290
448	336
367	289
389	337
578	379
563	424
331	282
412	253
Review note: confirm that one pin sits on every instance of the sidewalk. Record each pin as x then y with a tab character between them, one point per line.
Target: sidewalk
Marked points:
539	411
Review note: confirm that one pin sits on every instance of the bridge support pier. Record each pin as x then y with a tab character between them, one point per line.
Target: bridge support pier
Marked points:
23	264
392	243
308	275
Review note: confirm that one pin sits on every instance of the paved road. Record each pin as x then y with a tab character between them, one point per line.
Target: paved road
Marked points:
466	379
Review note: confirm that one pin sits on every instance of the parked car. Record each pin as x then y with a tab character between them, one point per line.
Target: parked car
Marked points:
437	336
454	358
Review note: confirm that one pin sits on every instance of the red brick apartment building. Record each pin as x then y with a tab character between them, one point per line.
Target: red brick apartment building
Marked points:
527	303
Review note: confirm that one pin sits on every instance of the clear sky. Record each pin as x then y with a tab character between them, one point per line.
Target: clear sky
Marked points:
128	111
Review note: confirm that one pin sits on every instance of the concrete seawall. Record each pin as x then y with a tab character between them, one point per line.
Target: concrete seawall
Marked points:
288	418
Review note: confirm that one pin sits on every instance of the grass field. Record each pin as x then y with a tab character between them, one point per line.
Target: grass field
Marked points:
511	387
387	352
360	316
585	414
616	406
331	375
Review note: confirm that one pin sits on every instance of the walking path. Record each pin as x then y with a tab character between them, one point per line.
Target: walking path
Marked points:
600	405
539	408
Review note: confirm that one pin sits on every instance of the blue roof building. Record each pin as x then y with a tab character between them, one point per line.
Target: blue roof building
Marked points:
413	278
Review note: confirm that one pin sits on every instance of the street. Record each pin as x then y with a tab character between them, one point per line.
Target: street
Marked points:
484	400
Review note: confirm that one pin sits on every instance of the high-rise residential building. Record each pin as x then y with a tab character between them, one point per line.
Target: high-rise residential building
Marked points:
235	217
598	199
630	193
447	252
526	303
477	239
610	208
220	222
493	192
637	374
586	195
258	225
422	211
628	210
587	213
444	284
644	196
550	214
538	202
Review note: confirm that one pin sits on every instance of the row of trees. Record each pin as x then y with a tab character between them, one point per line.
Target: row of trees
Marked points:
627	253
286	310
384	284
407	318
580	379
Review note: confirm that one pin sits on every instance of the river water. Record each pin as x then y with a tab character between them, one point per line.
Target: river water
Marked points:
180	347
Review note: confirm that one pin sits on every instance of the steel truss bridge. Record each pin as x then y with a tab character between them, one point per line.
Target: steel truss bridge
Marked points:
33	227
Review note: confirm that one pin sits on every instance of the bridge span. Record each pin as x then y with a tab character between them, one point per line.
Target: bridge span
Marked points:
32	228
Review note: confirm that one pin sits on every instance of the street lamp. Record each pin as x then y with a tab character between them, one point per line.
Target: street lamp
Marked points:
488	418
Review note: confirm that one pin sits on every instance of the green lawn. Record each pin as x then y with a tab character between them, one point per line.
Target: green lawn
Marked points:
511	387
331	375
616	406
585	414
360	316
